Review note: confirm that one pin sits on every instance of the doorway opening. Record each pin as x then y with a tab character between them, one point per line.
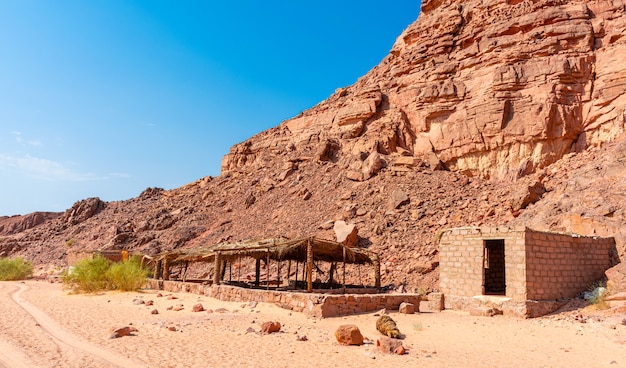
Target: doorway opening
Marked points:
494	267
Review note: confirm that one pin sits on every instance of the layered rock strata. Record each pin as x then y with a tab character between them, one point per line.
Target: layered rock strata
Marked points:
495	88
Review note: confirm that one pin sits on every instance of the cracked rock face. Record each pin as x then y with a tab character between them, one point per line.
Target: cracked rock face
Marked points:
496	88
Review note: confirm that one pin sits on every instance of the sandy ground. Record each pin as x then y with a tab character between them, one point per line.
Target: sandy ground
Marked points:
42	326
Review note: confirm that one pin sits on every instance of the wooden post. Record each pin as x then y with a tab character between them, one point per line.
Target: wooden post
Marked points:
331	274
309	265
297	263
158	269
344	269
239	271
278	277
257	268
288	271
217	269
223	269
267	273
376	265
360	278
166	269
185	272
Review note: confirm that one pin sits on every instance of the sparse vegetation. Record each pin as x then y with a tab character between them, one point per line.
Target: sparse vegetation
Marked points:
96	274
88	275
15	269
70	242
598	294
127	275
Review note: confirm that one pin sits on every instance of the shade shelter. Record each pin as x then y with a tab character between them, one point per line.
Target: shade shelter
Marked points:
307	250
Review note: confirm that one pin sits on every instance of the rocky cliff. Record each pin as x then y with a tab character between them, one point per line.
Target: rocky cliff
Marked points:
484	112
494	88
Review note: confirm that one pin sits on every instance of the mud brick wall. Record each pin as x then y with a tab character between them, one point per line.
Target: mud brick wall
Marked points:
562	265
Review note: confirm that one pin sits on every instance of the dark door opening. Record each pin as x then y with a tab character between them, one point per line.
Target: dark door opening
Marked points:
494	271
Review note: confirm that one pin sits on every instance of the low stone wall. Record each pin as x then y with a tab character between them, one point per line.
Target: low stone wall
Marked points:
316	305
508	307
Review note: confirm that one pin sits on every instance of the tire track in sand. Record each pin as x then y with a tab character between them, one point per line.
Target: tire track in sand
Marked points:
12	358
52	328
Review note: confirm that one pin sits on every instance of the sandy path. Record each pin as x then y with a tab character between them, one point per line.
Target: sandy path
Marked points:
11	357
186	339
66	342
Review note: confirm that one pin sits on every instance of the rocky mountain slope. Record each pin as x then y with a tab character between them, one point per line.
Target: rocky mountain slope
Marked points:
14	224
484	112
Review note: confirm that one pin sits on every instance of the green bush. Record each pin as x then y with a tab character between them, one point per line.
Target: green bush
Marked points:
127	275
92	275
88	275
15	269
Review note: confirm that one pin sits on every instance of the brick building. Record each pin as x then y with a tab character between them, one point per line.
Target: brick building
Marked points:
516	270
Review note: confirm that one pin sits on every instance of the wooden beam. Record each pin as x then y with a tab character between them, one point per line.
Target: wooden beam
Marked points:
376	265
344	268
257	269
289	271
309	265
166	269
158	269
267	273
217	270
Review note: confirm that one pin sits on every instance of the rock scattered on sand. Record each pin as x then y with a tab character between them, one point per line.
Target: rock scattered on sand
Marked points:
270	327
154	311
388	345
349	335
122	331
406	308
197	308
138	301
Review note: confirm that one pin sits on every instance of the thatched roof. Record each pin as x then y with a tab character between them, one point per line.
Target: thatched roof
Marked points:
276	249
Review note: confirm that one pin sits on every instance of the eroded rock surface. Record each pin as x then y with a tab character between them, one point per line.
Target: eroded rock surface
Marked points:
494	88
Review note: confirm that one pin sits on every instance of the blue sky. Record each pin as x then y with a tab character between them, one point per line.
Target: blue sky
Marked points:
104	98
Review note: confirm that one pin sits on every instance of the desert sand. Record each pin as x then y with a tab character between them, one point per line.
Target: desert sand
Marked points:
44	326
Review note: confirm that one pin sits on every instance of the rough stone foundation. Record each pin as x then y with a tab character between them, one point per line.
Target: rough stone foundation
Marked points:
315	305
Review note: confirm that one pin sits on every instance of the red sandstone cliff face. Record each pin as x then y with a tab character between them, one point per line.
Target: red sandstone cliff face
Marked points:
522	101
494	88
